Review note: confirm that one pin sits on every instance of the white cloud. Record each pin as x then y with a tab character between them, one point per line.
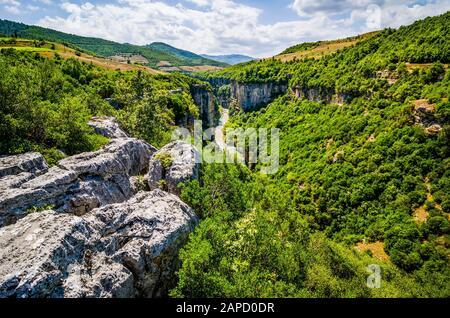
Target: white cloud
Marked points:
10	2
388	13
330	7
226	26
32	8
12	9
200	3
11	6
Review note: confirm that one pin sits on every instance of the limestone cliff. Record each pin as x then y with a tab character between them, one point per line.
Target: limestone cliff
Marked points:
205	101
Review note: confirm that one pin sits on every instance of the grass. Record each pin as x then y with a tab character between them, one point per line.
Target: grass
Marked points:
50	49
324	48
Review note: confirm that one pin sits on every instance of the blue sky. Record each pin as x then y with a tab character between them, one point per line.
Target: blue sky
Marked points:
254	27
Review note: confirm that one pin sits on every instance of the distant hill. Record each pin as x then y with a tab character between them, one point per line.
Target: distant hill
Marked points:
320	48
52	49
231	59
185	55
157	58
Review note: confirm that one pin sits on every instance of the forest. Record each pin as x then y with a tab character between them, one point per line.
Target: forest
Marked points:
354	170
45	104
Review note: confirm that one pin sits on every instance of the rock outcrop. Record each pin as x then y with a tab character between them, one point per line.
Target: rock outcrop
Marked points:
425	116
107	126
252	96
120	250
31	162
205	101
90	226
321	95
77	184
174	163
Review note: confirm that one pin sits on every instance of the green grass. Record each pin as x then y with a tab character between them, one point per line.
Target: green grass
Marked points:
28	48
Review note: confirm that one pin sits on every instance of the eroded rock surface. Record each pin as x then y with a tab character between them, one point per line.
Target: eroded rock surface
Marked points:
425	116
31	162
120	250
107	126
174	163
77	184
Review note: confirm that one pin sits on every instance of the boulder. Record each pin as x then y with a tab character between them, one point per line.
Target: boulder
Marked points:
77	184
127	155
107	126
127	249
176	162
31	162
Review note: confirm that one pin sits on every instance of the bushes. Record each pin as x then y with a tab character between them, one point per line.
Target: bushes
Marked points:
266	248
45	104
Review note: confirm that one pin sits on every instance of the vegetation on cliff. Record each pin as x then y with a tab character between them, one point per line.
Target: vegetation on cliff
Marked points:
367	173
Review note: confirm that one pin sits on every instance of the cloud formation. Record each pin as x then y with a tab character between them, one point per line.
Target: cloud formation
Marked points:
227	26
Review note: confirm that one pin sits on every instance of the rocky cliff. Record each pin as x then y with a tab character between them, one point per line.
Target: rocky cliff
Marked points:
174	163
82	229
320	95
247	96
119	250
252	96
205	100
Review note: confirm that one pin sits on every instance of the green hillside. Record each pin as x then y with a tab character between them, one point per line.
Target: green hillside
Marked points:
98	46
45	103
425	41
362	180
185	55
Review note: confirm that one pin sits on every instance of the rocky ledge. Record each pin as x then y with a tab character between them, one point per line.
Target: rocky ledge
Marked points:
120	250
77	184
84	228
174	163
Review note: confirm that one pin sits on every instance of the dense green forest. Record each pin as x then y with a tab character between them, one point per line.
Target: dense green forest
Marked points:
45	104
350	172
101	47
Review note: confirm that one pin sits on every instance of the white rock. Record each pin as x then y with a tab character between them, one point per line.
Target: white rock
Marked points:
120	250
184	166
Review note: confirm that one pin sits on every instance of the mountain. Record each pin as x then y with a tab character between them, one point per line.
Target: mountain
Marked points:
231	59
185	55
155	58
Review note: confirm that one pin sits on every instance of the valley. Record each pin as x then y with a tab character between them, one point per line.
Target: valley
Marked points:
98	200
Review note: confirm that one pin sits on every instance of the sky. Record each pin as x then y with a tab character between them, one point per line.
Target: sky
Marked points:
258	28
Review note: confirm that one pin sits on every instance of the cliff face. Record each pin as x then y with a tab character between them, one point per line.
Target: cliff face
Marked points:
252	96
320	95
248	96
204	99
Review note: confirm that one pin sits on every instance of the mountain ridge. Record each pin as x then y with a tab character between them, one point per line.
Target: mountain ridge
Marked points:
102	47
231	59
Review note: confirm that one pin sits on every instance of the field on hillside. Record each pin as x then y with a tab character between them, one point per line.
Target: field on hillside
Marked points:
322	48
50	49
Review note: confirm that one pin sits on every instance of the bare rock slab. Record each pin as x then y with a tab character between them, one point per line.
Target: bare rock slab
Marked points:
176	162
127	249
107	126
77	184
